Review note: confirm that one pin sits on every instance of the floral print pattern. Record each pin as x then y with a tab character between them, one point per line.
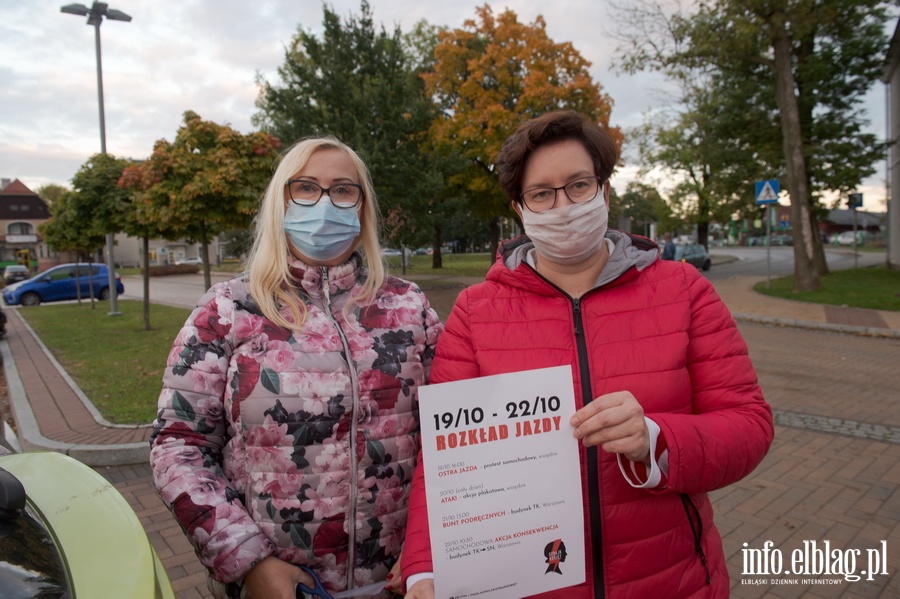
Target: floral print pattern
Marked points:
298	444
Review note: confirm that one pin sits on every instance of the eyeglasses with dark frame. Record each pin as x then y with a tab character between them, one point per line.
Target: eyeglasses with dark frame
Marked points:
307	193
541	199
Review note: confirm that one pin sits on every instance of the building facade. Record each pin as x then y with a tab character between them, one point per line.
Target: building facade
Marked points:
128	251
21	211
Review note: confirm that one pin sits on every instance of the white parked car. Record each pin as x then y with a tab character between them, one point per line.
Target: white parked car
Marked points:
847	238
197	261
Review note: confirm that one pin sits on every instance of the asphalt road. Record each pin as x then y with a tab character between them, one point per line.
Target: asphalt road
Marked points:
779	261
181	291
184	290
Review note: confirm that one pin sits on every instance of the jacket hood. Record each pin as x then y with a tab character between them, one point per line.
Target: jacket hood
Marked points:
626	251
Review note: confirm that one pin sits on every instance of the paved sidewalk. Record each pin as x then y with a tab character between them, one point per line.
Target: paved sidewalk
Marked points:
747	305
833	472
52	413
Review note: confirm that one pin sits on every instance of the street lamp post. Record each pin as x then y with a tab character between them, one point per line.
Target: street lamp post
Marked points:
95	15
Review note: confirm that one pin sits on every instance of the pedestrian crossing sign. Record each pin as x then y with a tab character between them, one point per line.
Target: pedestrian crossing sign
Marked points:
767	191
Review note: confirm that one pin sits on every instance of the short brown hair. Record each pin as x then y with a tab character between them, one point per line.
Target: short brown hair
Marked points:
551	128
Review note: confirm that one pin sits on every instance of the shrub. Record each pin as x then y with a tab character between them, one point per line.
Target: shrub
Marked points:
173	269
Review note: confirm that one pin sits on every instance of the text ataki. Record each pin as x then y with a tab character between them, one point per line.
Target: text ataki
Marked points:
487	434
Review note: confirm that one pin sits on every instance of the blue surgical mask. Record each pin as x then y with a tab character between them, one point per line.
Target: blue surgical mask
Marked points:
321	232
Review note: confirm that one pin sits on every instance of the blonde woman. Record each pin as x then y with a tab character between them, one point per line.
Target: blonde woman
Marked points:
287	431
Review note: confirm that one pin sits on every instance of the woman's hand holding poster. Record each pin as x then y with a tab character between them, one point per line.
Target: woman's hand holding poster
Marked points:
503	484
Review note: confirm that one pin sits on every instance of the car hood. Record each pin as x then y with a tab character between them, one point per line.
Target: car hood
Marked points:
15	285
103	544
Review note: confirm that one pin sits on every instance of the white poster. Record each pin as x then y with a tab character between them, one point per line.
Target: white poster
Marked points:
503	485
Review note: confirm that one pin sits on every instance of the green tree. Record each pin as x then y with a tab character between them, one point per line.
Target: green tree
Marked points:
80	219
643	205
141	223
97	192
445	207
800	69
72	228
710	169
236	243
208	181
360	84
491	75
50	192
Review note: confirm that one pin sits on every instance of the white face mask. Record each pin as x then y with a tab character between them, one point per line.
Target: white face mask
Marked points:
568	234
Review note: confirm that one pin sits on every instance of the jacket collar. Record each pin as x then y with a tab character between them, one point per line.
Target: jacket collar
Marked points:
341	278
629	251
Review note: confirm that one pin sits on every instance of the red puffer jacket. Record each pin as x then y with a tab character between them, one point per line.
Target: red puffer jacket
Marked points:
658	330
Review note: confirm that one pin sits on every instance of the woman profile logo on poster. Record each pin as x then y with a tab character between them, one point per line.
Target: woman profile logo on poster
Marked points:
555	553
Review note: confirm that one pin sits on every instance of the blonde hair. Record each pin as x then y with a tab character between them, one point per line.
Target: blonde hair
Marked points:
271	282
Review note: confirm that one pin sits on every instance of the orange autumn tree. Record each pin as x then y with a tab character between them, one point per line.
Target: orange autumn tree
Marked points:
205	183
489	77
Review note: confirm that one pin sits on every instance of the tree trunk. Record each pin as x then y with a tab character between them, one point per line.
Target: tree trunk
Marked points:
704	203
437	260
703	234
495	237
821	263
204	254
90	267
90	285
806	276
145	263
806	52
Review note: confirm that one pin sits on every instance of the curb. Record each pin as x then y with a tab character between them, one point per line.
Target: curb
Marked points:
31	439
88	404
819	326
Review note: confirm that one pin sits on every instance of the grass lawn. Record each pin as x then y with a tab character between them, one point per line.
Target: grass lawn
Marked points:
113	359
454	265
459	265
119	365
876	288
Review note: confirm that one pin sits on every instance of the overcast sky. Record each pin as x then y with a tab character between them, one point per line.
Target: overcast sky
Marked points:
203	55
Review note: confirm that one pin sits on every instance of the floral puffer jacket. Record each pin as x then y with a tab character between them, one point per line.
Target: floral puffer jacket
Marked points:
301	444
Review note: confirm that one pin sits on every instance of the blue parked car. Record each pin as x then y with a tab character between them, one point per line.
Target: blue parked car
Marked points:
62	283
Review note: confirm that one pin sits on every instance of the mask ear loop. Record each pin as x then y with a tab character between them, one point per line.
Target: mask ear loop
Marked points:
603	192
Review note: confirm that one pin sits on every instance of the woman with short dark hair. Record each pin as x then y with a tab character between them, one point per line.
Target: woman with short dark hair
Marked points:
668	405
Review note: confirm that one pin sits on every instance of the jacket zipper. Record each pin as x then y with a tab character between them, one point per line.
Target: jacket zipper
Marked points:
587	396
354	387
697	531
